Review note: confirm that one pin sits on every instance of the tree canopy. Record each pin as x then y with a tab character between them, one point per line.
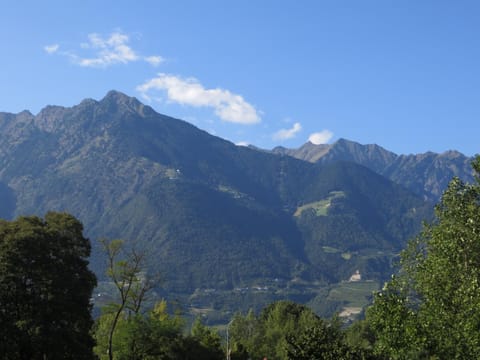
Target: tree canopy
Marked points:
286	330
432	307
45	289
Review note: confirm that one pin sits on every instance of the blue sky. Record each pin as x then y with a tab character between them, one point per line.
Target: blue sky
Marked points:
401	74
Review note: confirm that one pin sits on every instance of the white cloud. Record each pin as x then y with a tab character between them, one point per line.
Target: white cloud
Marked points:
321	137
154	60
50	49
106	51
285	134
227	106
242	143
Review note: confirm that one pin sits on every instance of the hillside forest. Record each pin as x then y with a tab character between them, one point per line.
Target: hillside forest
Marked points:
430	308
229	228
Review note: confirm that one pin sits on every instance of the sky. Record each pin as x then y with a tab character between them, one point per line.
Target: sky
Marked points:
403	74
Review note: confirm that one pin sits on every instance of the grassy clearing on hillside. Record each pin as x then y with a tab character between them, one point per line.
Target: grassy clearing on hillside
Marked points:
320	207
330	250
347	299
354	294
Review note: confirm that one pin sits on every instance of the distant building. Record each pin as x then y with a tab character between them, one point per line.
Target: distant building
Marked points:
355	277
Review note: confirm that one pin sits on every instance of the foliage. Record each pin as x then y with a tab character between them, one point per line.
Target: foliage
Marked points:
322	341
45	289
155	335
286	330
125	270
431	309
126	332
209	344
360	338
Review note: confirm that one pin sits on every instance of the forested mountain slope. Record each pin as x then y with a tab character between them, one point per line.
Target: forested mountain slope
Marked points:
210	214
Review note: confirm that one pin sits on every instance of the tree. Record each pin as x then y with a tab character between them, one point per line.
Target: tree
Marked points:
432	307
45	289
266	335
246	334
152	335
125	270
208	342
280	320
324	340
360	338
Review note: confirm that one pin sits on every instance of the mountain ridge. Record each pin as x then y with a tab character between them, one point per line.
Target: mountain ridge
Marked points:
211	214
426	174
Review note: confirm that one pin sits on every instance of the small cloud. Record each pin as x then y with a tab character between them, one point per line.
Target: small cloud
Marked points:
285	134
321	137
106	51
242	143
154	60
228	106
51	49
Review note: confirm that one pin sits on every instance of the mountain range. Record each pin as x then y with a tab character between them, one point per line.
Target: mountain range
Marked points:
425	174
214	216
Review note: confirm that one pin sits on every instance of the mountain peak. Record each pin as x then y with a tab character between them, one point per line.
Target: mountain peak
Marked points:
452	154
49	117
114	96
52	117
117	96
118	100
25	113
353	145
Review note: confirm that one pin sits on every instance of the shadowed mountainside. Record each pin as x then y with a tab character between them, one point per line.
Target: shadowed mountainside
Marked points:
210	214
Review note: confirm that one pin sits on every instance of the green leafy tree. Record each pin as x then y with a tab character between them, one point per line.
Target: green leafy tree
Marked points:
431	309
321	341
360	339
285	330
282	319
45	289
208	339
156	335
207	343
245	334
266	335
125	270
325	340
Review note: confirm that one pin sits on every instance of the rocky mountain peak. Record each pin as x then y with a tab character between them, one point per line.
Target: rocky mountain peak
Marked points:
49	117
116	101
25	114
117	96
452	154
53	118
